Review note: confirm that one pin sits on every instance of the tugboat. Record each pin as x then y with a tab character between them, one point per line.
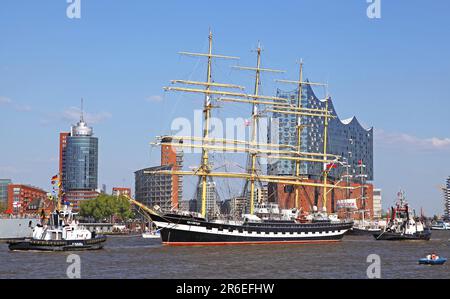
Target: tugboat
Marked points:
402	225
63	233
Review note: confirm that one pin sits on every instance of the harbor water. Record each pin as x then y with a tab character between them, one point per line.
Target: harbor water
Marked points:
135	257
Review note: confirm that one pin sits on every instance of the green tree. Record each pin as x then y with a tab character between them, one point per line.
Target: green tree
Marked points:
3	207
106	206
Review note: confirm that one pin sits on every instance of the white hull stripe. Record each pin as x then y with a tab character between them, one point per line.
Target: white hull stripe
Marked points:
215	231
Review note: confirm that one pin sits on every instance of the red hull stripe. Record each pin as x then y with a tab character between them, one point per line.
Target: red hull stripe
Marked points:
246	243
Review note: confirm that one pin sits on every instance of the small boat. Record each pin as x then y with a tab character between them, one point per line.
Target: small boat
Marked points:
440	225
151	235
63	233
427	261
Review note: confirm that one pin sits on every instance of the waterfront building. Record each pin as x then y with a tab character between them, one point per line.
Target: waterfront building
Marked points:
79	163
262	194
154	189
347	138
121	191
212	197
173	157
184	205
25	199
234	207
446	190
165	191
377	203
4	192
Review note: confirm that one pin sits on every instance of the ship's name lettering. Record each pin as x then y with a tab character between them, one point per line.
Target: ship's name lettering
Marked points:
193	223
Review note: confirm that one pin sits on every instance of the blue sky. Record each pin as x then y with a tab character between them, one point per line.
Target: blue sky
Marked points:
393	73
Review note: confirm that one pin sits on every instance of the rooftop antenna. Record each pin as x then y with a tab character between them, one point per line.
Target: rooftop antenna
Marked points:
82	112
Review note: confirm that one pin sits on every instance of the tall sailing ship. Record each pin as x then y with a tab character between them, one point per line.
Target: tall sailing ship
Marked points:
186	228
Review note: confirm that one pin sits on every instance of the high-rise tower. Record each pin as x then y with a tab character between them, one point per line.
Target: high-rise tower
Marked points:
79	163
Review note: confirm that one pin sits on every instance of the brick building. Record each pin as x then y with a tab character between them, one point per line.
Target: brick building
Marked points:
173	157
165	191
313	196
24	199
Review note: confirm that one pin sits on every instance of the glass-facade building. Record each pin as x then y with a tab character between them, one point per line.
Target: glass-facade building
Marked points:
346	138
4	191
81	159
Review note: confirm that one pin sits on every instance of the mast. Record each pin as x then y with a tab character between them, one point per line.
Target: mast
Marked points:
325	141
255	120
82	111
299	132
204	168
254	131
347	179
206	118
363	181
253	148
300	111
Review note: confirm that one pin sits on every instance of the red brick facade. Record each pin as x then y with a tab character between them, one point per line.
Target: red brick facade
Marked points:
75	197
24	199
62	145
313	196
169	157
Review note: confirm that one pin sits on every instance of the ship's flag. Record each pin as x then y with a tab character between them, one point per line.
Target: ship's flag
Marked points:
331	165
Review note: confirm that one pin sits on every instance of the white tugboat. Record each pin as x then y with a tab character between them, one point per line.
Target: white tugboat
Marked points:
62	233
403	225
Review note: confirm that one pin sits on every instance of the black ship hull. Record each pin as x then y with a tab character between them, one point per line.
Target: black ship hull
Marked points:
393	236
57	245
179	230
362	232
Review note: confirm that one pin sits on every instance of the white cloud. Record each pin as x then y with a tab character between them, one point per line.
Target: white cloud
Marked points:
5	100
72	114
22	108
407	141
154	99
16	106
